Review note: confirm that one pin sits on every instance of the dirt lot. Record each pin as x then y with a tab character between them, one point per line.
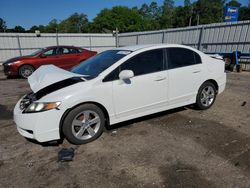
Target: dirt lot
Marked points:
177	148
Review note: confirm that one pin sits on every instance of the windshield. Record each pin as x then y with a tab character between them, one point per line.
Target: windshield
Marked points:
37	52
95	65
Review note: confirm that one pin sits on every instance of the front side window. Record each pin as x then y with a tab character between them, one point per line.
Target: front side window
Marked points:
145	63
50	52
93	66
181	57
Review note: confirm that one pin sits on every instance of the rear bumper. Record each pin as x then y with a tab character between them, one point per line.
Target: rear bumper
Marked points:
222	83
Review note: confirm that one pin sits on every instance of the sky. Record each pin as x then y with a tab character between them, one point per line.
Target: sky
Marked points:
33	12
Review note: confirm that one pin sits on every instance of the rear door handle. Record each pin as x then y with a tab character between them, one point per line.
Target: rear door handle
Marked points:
160	78
196	71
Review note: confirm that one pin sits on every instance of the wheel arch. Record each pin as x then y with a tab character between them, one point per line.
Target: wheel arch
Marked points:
213	82
106	114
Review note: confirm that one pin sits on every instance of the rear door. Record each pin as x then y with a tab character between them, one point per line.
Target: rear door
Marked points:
68	57
185	75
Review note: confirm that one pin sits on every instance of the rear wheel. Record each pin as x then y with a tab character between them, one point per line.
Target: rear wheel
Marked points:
26	70
206	96
84	124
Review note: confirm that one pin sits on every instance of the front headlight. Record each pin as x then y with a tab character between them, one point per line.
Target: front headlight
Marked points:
12	63
41	106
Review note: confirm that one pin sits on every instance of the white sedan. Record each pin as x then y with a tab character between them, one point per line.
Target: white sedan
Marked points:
115	86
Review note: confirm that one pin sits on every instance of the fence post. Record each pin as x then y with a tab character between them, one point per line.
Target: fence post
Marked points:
137	39
19	45
90	43
163	37
200	38
57	39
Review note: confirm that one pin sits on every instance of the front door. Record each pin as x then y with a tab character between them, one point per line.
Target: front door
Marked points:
147	90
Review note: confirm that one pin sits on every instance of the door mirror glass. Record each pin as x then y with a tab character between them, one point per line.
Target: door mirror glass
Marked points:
126	74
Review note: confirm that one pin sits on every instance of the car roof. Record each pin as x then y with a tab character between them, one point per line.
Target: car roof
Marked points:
139	47
61	46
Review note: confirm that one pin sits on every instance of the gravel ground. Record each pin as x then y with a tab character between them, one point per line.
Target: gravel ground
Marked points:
177	148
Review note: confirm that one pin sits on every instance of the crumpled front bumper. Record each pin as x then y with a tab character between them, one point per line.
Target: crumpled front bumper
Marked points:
41	126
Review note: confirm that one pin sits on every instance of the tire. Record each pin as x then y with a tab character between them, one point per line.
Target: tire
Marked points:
206	96
25	71
77	130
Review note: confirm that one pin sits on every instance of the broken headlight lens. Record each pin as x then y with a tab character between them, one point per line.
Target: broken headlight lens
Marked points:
41	106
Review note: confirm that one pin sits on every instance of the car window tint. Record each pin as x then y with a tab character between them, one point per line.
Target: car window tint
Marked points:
144	63
197	58
50	52
73	50
180	57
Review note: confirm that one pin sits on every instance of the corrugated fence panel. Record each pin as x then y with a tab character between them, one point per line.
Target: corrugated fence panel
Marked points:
212	38
16	44
150	38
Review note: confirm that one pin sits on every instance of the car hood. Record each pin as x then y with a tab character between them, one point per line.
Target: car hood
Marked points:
47	75
18	59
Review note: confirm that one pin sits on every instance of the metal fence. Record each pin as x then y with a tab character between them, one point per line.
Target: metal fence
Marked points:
212	38
19	44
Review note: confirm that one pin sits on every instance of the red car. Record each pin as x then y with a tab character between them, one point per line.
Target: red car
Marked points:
62	56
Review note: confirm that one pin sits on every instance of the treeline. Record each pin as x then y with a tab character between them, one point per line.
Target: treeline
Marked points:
147	17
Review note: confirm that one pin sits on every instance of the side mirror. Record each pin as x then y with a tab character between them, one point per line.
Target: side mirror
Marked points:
126	74
43	56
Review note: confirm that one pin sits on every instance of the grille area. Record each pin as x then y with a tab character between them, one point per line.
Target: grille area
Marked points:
27	100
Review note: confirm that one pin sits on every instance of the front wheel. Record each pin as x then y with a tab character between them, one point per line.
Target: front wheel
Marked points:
206	96
26	70
84	124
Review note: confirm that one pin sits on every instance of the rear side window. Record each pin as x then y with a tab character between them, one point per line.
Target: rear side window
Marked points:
181	57
145	63
73	51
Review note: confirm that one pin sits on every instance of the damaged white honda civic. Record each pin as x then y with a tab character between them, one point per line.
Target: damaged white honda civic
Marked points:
114	86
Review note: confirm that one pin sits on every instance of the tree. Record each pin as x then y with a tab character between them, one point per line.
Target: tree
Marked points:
208	11
244	13
234	3
2	25
52	26
181	16
151	15
187	3
76	23
167	14
123	18
18	29
33	29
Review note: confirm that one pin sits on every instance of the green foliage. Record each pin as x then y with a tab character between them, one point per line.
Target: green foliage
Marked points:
147	17
234	3
209	11
2	25
123	18
167	14
52	26
76	23
244	13
151	16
